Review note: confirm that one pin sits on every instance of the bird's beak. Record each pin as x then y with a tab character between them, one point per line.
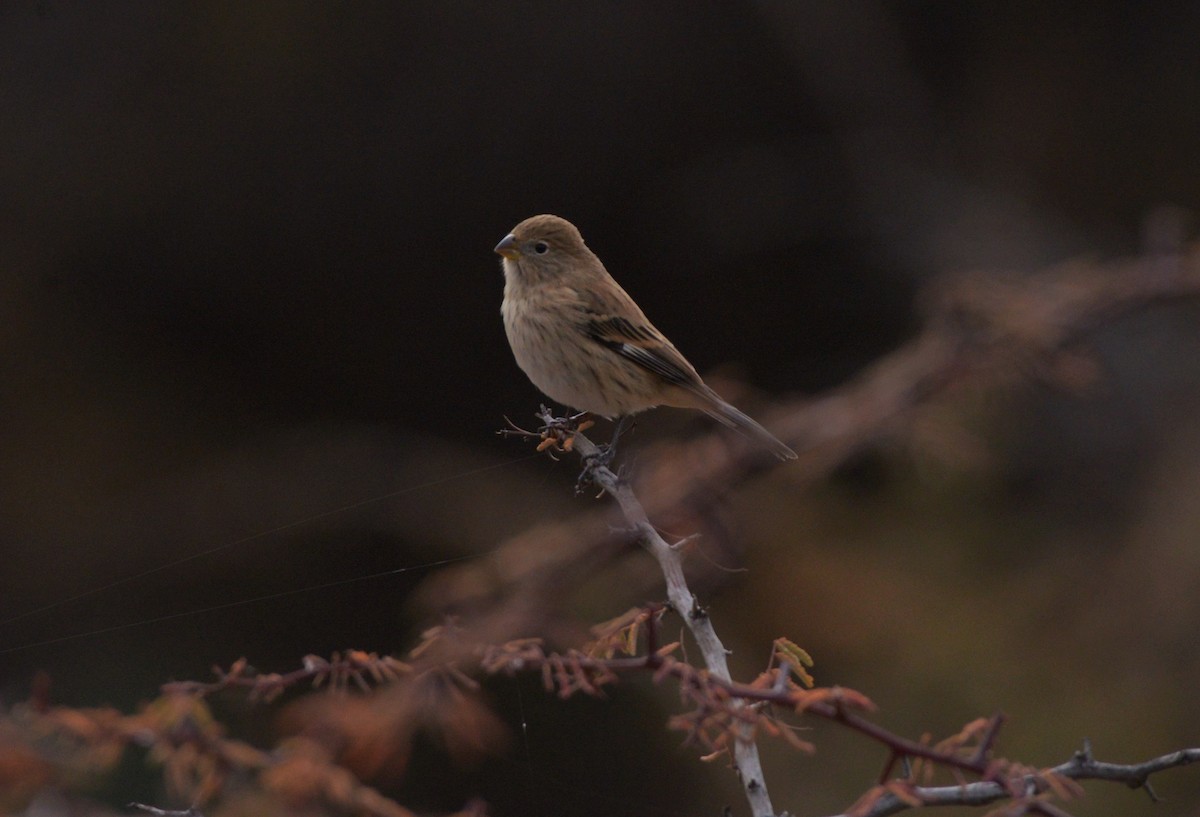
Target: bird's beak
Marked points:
508	247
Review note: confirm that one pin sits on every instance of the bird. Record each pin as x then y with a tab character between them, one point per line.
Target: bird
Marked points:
584	342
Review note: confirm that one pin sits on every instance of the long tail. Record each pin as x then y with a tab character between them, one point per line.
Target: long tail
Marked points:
725	413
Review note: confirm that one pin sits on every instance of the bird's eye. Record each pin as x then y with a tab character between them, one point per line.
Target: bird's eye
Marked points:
541	247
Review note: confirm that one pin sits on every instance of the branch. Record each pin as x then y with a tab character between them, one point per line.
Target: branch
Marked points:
1083	767
745	750
713	696
337	671
881	802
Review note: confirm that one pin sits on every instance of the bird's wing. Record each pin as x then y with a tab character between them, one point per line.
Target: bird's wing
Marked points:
641	343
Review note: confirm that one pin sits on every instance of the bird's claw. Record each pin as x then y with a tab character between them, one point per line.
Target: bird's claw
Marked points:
591	464
603	457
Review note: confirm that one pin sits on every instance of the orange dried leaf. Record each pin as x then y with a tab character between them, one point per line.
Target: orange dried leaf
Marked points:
667	649
855	699
789	734
970	732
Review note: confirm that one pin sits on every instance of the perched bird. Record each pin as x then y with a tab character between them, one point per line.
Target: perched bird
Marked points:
585	343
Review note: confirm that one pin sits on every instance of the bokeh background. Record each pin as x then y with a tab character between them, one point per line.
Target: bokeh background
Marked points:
246	279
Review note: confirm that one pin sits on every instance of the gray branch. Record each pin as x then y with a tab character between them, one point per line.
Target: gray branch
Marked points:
745	750
1081	766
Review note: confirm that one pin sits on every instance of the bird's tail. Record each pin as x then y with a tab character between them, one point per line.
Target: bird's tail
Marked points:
724	413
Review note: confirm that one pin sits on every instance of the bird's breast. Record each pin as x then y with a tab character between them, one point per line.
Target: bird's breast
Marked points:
544	328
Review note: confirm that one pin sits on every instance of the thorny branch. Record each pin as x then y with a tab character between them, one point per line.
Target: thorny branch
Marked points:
338	672
566	437
722	708
670	561
719	701
1028	790
741	723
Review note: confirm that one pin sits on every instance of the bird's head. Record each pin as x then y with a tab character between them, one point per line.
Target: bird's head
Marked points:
542	244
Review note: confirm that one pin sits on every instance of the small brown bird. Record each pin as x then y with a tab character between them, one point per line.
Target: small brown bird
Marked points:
584	342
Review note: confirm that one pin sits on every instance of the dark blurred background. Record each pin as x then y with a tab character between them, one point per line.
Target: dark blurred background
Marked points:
246	278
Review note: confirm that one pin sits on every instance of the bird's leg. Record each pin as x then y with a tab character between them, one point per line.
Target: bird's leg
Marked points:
609	450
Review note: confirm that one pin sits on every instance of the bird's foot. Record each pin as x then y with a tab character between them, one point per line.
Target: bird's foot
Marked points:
593	464
606	452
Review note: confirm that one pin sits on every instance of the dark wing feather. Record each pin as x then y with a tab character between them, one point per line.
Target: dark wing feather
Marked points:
644	345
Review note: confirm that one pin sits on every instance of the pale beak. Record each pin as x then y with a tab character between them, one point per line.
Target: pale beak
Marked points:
508	247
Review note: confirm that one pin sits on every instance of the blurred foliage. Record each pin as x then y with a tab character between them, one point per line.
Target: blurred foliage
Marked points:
248	320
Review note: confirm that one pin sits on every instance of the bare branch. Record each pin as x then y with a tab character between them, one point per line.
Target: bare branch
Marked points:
670	561
1080	767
